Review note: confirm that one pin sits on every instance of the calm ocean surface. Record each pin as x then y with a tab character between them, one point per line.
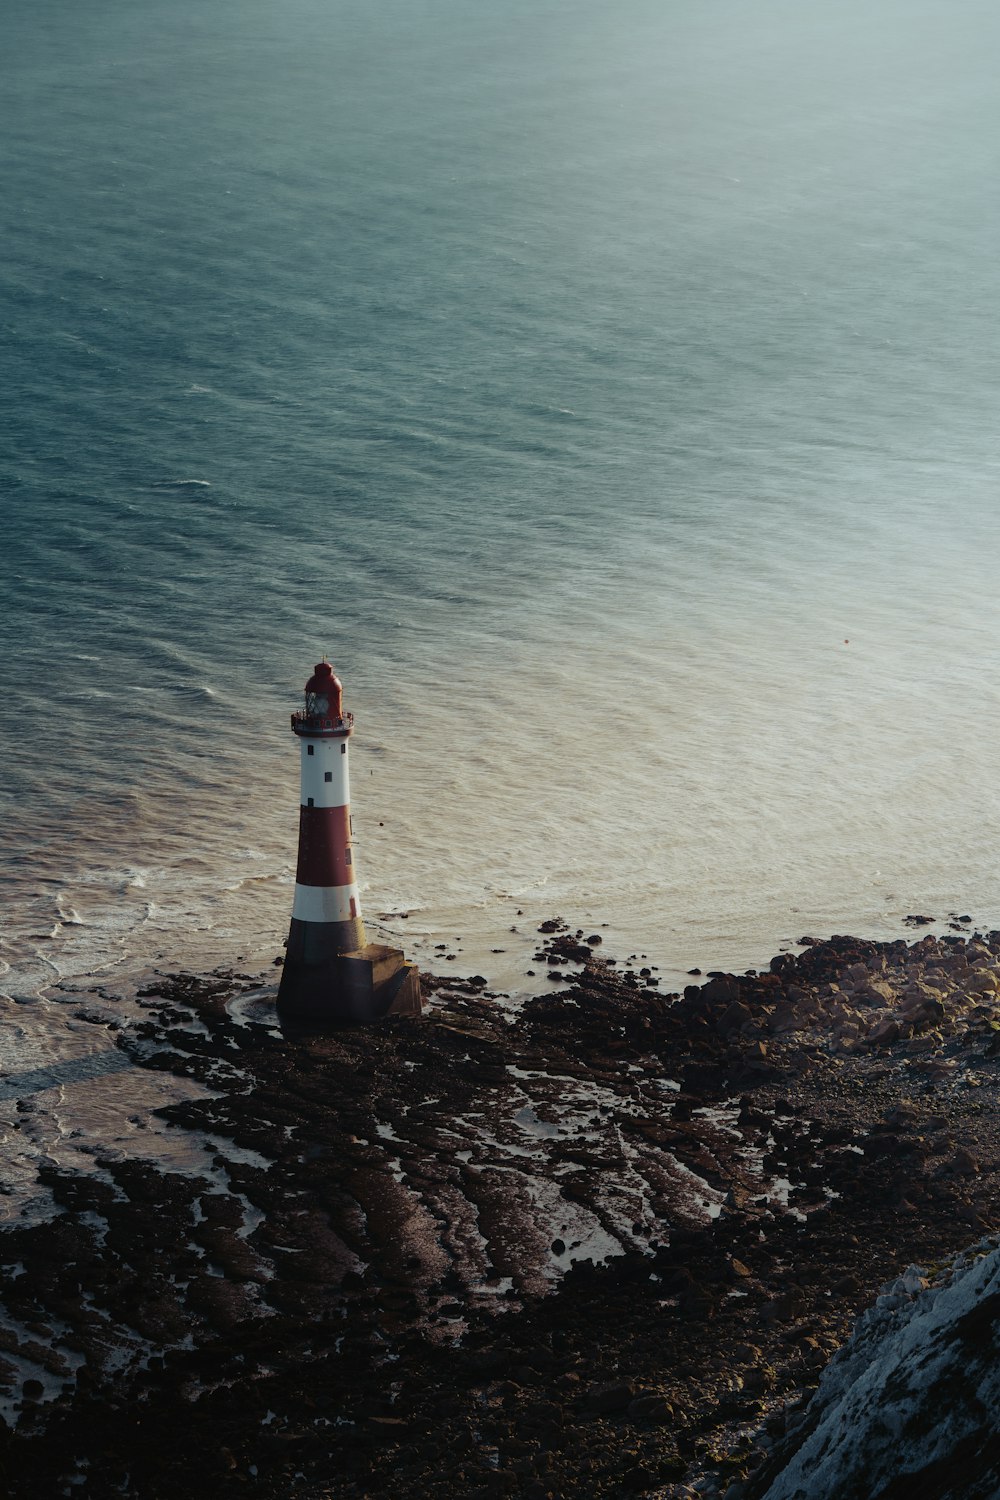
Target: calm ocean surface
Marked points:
611	391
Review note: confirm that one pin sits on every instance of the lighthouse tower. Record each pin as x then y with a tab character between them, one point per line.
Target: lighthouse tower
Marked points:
331	972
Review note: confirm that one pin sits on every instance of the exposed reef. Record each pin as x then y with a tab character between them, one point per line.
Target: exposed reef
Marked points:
600	1243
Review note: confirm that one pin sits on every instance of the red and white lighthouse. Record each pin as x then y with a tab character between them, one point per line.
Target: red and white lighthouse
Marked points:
331	972
326	912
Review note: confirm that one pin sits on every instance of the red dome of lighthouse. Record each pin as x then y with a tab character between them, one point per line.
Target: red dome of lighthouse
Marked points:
324	680
324	710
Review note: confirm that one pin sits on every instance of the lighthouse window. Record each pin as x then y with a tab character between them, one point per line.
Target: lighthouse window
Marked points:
343	748
309	749
327	775
347	856
309	802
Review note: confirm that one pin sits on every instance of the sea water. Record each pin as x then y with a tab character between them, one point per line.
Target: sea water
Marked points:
610	391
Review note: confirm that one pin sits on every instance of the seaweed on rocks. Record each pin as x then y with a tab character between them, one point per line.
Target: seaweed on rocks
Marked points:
603	1244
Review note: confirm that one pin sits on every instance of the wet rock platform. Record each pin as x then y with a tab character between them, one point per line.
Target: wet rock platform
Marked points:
599	1244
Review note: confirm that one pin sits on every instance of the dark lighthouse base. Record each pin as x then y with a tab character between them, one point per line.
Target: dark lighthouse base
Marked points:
362	985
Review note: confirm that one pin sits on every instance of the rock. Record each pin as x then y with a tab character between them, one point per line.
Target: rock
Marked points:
922	1015
877	992
885	1032
784	1308
855	976
902	1116
640	1477
919	992
884	1143
652	1408
735	1015
904	1409
602	1399
980	982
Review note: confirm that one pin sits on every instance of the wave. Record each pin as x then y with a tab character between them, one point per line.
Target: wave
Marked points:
120	878
180	484
517	893
25	978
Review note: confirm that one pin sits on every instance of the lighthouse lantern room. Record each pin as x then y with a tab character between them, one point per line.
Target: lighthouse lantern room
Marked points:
331	972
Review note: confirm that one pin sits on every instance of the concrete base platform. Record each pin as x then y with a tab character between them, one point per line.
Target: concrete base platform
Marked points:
371	982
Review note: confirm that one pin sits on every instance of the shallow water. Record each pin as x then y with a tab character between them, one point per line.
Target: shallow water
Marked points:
611	395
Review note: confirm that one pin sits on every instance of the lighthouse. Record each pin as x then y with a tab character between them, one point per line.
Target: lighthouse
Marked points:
331	972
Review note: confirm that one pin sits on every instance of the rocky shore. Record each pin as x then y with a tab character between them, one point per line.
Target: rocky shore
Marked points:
602	1243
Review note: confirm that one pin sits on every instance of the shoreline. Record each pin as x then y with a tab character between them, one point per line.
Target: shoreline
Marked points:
592	1243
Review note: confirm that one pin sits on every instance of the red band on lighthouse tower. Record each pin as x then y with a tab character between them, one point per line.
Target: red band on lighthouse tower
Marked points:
325	855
